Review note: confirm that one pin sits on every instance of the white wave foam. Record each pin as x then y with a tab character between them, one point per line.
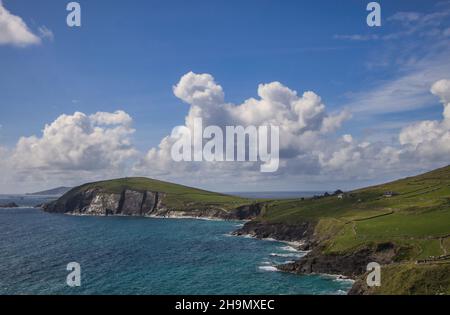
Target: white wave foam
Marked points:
268	268
289	249
270	239
297	255
294	243
338	278
343	279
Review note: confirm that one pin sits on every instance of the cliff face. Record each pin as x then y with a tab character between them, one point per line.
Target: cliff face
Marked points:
98	202
352	264
278	231
129	202
349	264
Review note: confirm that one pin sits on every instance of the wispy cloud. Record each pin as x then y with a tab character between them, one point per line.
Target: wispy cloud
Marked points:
45	33
406	92
408	24
15	32
357	37
414	63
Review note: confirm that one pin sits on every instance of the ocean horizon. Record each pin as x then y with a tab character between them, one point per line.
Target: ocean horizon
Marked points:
276	194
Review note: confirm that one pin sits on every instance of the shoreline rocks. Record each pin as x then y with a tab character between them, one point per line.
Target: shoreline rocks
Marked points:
350	265
278	231
9	205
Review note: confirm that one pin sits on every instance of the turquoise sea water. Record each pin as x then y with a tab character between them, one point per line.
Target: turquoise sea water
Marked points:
124	255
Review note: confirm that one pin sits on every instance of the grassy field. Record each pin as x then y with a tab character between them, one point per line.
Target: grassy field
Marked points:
416	216
410	278
416	219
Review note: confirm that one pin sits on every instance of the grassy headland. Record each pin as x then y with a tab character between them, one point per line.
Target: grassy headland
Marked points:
178	197
417	215
412	215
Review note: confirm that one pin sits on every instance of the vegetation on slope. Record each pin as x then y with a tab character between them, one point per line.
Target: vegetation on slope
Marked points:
178	197
416	216
413	214
408	278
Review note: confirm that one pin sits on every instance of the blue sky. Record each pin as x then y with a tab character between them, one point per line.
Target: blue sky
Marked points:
129	54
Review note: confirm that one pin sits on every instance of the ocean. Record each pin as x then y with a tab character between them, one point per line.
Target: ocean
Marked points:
277	194
130	255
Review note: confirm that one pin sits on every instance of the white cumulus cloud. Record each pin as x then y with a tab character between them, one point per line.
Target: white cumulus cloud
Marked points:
430	140
80	147
309	147
78	142
303	121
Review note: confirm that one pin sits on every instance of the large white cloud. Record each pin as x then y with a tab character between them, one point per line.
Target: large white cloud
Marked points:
79	147
78	142
14	31
430	140
308	142
276	105
441	88
303	121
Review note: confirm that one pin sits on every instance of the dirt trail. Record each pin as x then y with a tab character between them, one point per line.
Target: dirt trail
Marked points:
441	244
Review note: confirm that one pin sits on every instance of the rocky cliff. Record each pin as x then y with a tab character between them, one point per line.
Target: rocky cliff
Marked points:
351	265
279	231
97	201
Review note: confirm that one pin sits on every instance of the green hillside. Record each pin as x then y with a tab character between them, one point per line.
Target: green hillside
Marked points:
413	214
416	216
178	196
410	278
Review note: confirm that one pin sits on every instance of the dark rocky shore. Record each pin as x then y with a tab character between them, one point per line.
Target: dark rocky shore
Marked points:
350	265
282	232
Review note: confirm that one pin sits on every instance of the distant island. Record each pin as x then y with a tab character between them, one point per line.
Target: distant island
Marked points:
402	225
9	205
59	191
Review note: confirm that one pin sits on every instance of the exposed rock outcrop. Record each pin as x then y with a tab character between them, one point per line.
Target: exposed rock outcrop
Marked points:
96	201
351	264
283	232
